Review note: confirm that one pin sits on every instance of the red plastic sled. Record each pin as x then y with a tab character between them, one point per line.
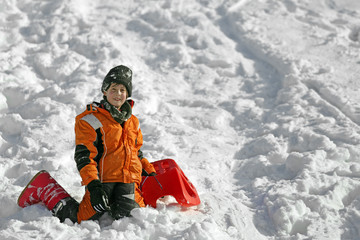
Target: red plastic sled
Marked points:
169	180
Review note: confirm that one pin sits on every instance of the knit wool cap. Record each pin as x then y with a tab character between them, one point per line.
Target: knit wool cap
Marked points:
120	75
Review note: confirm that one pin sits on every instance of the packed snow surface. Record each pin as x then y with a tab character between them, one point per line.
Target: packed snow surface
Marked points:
257	101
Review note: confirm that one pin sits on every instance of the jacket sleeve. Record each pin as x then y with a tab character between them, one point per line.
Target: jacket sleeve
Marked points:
146	165
85	151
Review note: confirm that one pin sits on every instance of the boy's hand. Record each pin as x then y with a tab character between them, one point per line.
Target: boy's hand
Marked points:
98	197
145	173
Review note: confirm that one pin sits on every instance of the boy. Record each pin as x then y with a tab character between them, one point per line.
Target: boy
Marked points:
107	155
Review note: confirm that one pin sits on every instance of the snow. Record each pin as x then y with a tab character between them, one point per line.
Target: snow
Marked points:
257	101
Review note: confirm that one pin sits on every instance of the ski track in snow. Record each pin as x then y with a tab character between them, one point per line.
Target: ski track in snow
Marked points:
257	101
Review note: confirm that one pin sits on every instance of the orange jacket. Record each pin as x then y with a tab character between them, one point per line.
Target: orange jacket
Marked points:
107	151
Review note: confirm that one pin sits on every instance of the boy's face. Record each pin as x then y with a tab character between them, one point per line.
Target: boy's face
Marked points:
116	94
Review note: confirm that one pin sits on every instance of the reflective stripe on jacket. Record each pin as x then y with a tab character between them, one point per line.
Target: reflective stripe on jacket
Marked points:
106	150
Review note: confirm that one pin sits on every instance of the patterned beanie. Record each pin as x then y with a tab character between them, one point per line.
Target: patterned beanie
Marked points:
119	74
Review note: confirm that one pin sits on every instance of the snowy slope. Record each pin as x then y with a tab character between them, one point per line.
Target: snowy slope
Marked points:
257	101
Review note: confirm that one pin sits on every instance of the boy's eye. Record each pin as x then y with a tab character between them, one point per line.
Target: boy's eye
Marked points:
115	90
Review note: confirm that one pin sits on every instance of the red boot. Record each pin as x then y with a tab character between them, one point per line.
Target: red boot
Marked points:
42	188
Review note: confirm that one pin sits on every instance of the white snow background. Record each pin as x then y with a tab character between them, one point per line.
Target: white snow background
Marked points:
257	101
